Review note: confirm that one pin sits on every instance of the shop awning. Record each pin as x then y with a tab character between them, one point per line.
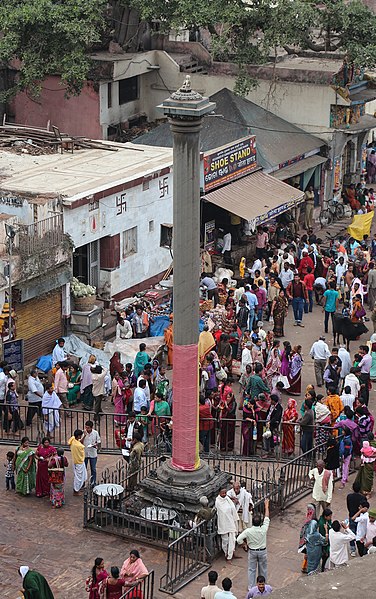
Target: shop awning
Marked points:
298	167
257	197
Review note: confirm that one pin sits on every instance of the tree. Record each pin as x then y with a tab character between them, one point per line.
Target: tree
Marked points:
44	37
248	31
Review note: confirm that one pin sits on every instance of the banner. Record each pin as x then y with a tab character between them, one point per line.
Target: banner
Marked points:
361	225
229	162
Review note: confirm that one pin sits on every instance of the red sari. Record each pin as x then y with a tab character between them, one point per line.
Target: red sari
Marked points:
227	410
288	430
42	483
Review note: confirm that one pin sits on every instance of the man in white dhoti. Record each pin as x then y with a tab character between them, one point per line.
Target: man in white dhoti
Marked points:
50	410
227	521
78	459
243	503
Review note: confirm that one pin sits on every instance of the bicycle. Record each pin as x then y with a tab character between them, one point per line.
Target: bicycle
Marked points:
331	210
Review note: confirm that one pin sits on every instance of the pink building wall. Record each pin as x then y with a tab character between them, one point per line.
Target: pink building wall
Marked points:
77	115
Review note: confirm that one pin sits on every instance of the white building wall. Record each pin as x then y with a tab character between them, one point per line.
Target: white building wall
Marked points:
113	216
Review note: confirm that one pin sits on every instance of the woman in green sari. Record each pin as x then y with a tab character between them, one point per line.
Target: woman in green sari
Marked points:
74	384
25	467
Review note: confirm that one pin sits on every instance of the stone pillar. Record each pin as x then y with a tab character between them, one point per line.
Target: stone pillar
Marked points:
185	110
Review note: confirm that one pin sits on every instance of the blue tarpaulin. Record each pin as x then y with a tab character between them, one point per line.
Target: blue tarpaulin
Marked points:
159	325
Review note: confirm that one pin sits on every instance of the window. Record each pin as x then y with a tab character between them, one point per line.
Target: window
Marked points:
166	236
93	205
129	242
145	185
109	94
128	90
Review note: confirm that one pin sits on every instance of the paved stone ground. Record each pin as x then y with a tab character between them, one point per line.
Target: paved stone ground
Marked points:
55	543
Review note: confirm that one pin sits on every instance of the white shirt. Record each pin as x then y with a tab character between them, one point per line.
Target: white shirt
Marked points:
92	438
209	591
317	493
58	354
345	358
139	399
340	271
319	350
3	384
147	388
348	400
361	529
352	381
226	243
320	281
339	546
124	331
34	385
286	277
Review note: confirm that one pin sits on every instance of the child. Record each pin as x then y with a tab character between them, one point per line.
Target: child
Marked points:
144	420
9	473
346	309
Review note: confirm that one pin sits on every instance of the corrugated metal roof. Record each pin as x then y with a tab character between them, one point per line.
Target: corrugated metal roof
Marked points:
277	140
257	197
298	167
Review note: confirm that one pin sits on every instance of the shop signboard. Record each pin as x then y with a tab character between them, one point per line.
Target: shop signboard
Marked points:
209	240
229	162
13	353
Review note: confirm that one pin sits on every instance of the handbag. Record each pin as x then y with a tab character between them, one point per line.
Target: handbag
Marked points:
221	374
56	476
283	379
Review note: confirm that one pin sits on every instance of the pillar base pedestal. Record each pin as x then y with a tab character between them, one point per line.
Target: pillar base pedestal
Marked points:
180	486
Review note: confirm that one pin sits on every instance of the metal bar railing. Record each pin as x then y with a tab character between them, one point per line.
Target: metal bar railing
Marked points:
144	588
234	438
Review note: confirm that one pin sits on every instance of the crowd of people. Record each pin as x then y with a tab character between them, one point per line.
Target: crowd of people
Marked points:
249	372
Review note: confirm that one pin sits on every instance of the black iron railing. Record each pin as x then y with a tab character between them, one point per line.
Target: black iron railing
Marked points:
227	437
144	588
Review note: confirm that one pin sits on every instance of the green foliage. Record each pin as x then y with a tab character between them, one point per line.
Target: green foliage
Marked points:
44	37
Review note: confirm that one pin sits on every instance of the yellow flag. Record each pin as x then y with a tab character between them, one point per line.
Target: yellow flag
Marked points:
361	225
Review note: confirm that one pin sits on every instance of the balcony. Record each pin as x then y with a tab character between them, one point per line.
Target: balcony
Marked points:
41	236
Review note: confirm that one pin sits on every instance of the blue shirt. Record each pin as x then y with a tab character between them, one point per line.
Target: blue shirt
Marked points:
331	296
255	592
252	300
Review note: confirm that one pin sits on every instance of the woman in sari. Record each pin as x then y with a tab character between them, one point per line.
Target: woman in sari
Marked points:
225	353
133	570
43	453
222	291
314	545
227	411
286	358
115	364
310	515
290	416
74	383
323	421
227	319
279	311
56	468
295	374
206	344
119	410
262	408
245	378
98	573
249	427
366	470
112	587
372	372
24	466
273	365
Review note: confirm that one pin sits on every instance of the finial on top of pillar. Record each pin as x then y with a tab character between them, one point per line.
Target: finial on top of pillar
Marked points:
186	102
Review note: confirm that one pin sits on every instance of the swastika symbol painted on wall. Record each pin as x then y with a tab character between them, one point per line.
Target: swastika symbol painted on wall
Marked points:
163	187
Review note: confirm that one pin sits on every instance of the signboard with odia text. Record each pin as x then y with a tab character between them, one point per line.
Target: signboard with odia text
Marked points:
229	162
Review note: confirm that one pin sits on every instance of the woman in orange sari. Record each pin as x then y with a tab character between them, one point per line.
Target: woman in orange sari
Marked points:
290	415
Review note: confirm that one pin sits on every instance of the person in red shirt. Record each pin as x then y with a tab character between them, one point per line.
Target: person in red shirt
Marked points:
305	262
206	423
309	281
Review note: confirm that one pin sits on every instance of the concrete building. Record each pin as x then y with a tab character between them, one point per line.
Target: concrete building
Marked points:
39	263
115	205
